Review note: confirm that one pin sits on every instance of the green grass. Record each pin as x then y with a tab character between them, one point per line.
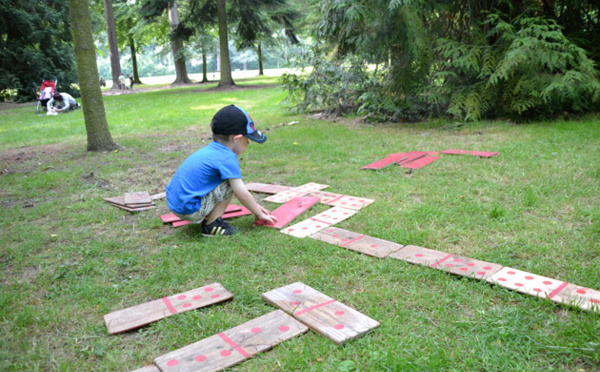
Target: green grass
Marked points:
68	258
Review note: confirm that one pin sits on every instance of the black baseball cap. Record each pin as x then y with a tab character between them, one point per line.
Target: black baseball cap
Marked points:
235	120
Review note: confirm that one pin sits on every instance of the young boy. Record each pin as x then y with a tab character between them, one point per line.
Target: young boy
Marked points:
204	184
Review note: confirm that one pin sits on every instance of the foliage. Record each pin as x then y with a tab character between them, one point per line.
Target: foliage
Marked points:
35	44
531	70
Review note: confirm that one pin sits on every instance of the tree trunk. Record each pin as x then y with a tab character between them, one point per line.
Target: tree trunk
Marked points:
204	68
136	75
260	60
111	31
181	76
98	135
226	79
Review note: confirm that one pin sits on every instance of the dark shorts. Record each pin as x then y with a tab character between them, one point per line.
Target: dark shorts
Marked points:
218	195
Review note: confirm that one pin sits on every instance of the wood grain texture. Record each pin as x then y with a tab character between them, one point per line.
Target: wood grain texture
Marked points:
295	192
527	283
357	242
233	346
444	261
575	295
319	222
419	163
133	199
266	188
149	312
321	313
289	211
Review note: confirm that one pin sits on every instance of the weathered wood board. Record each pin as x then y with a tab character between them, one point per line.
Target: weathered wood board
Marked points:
584	298
290	210
232	211
324	196
119	202
149	312
444	261
321	313
357	242
482	154
350	202
382	163
319	222
419	163
132	199
527	283
295	192
233	346
160	195
266	188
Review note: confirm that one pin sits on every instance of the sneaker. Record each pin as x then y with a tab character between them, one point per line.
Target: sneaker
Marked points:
217	227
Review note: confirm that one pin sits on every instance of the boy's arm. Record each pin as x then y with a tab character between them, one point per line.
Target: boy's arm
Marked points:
241	192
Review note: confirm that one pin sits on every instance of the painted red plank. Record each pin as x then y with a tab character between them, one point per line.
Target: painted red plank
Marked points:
181	223
483	154
419	163
290	210
133	199
390	159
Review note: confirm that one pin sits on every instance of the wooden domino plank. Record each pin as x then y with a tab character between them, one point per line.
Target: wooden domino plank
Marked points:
233	346
482	154
575	295
444	261
168	218
350	202
160	195
295	192
321	313
527	283
324	196
150	368
319	222
382	163
357	242
131	199
181	223
119	202
266	188
149	312
290	210
419	163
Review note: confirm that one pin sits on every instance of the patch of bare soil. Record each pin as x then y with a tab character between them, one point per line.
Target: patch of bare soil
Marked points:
20	155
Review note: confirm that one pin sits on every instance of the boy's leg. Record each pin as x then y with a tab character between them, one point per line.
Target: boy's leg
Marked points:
213	206
218	210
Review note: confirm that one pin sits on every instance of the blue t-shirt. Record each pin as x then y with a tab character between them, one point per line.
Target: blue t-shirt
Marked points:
200	174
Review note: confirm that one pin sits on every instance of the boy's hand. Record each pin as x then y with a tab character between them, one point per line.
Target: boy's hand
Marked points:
265	215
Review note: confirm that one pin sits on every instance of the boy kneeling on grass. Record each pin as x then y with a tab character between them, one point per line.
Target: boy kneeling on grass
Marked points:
204	184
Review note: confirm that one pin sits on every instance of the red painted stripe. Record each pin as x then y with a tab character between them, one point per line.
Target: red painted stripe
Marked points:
339	197
169	306
314	307
352	241
314	219
442	260
557	290
234	345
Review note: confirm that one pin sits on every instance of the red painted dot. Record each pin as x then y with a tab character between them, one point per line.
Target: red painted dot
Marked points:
487	268
581	291
529	277
350	198
290	229
215	296
343	202
374	245
362	201
481	273
208	289
196	297
464	269
331	230
501	279
345	213
284	328
593	300
226	353
336	236
318	226
470	264
547	282
510	272
305	228
295	303
172	362
200	358
537	290
256	330
340	312
449	265
518	284
457	260
339	326
181	297
354	205
186	305
335	218
298	291
344	240
419	255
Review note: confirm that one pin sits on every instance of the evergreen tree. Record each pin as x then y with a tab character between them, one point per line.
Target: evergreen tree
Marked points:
35	44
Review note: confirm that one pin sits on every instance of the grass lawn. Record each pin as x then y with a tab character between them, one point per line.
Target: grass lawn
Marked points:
68	258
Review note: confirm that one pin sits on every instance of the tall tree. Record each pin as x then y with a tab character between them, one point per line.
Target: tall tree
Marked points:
111	31
226	78
98	134
181	76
